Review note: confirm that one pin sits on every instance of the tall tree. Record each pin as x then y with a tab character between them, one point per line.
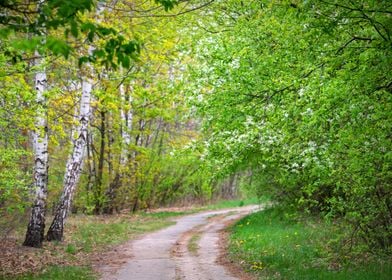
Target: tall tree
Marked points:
74	166
36	227
75	161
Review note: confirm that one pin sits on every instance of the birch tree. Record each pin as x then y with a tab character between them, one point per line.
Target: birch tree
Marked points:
73	167
36	226
75	161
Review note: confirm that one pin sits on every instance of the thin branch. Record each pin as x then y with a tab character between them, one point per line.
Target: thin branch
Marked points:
213	31
354	38
274	92
177	14
356	9
374	23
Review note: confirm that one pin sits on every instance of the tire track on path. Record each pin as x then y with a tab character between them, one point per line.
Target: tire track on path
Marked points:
163	255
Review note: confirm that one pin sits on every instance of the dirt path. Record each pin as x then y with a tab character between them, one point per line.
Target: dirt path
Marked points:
187	250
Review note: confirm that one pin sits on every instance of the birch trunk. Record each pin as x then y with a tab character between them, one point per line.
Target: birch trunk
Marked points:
36	226
75	161
73	167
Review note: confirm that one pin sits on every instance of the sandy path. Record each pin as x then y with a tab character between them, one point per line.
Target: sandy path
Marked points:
164	255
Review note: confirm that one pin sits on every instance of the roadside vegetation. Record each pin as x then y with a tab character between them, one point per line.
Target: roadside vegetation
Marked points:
297	102
279	244
131	105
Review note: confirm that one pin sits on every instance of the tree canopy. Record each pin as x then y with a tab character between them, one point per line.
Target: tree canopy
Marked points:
290	99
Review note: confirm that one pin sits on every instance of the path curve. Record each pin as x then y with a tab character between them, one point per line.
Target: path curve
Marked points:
165	254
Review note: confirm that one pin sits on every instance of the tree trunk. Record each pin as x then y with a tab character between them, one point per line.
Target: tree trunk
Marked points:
126	127
73	168
110	140
36	227
101	159
228	188
126	120
90	167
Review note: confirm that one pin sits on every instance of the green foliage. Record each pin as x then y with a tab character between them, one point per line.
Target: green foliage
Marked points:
298	95
48	17
167	4
275	245
13	182
295	99
15	174
14	191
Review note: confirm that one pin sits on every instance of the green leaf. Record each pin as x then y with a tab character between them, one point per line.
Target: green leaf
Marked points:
126	62
90	36
82	60
58	47
5	32
74	28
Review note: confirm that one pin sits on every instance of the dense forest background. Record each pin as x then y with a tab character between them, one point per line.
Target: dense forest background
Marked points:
128	105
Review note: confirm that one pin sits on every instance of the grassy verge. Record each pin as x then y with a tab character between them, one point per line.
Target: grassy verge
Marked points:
273	245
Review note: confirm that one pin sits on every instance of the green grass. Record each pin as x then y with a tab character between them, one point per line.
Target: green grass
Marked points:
193	246
97	233
273	245
60	273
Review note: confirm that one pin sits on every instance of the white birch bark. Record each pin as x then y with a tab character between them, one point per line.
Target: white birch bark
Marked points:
75	161
73	167
36	226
